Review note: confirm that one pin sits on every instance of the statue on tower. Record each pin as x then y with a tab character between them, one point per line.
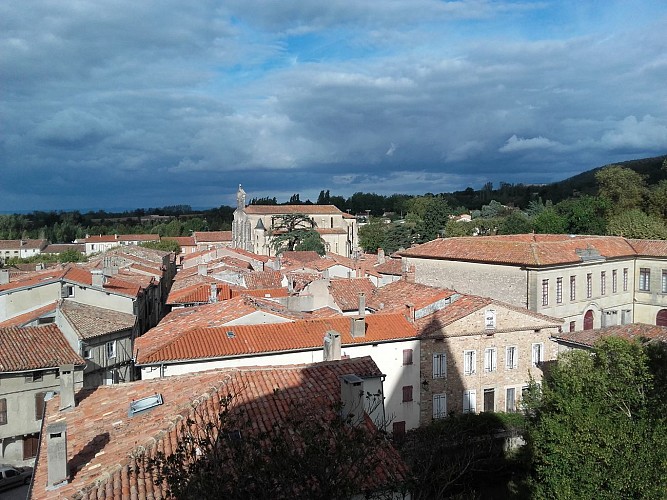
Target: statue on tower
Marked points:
240	198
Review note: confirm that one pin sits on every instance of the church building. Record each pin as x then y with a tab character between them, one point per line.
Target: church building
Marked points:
253	226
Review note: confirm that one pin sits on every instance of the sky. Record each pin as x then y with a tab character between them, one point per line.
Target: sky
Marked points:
136	104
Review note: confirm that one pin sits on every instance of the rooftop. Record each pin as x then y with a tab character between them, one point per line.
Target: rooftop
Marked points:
107	449
34	348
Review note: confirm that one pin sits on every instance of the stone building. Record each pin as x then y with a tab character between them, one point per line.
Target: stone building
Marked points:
589	281
253	226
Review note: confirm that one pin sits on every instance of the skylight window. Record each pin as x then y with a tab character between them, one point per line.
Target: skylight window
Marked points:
231	334
144	404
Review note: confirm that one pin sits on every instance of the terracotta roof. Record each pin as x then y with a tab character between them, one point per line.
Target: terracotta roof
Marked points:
345	291
263	279
30	316
246	340
522	249
293	209
631	332
90	321
209	316
33	279
22	244
394	296
390	266
650	248
299	257
63	247
107	449
261	292
108	238
213	236
330	230
198	293
34	347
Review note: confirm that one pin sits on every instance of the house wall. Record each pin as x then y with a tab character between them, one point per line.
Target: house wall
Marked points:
15	302
20	394
505	283
513	329
94	296
388	356
649	303
607	307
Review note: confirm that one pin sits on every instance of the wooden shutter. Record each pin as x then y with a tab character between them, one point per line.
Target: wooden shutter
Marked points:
39	405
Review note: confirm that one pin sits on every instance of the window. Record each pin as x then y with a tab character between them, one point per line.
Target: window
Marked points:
407	393
469	401
603	283
33	377
572	325
559	290
407	357
511	358
110	377
537	354
30	443
111	349
510	399
545	292
490	359
573	288
398	428
439	365
469	362
645	279
625	279
39	405
489	399
87	353
3	411
439	405
589	285
614	281
664	281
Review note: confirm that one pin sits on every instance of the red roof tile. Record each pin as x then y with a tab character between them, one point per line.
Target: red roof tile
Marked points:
631	332
184	241
263	279
199	343
108	450
345	291
34	347
293	209
213	236
650	248
521	249
90	321
30	316
395	296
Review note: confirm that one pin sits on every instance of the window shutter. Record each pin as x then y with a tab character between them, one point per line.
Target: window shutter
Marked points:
407	357
407	393
3	411
39	405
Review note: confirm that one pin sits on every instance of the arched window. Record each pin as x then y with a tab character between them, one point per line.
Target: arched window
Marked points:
661	318
588	320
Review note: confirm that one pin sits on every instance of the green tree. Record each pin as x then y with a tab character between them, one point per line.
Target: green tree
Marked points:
289	230
634	223
399	235
657	200
311	241
459	228
549	221
309	453
71	255
164	245
622	187
372	235
584	215
515	223
593	430
433	213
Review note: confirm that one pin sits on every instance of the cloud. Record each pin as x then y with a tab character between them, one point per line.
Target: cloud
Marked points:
646	134
515	144
71	128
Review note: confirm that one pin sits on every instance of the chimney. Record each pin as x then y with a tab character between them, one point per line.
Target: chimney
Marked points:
352	398
213	297
67	401
332	346
362	304
358	326
98	277
381	258
56	455
4	276
202	269
39	266
411	311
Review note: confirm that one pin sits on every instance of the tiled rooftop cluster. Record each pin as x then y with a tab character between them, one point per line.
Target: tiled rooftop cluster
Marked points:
107	449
